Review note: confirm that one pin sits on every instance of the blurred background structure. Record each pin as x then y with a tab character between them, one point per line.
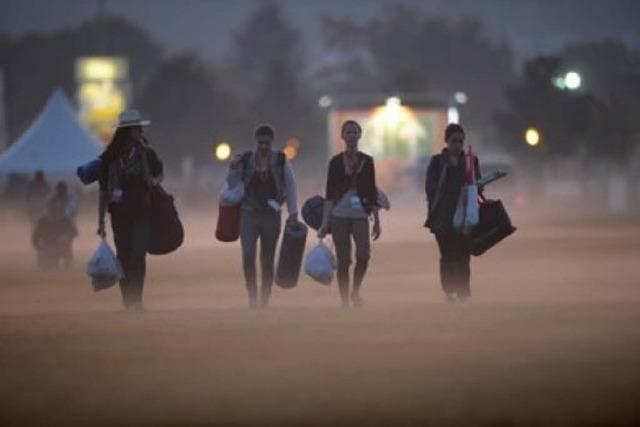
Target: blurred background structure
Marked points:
547	91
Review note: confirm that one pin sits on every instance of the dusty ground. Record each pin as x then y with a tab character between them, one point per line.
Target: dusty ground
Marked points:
552	337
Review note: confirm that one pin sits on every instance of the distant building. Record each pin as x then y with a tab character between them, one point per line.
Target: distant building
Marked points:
402	132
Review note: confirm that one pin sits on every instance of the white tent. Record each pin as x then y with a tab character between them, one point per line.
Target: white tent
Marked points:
56	142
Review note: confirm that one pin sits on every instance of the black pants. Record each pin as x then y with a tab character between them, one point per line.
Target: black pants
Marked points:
455	260
131	236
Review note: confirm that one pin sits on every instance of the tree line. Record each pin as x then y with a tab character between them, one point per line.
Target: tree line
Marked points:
267	77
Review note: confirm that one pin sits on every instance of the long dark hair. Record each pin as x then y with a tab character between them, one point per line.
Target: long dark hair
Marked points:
120	142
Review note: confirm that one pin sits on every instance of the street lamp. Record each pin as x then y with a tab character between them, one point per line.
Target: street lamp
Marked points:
223	151
461	97
532	137
325	101
572	80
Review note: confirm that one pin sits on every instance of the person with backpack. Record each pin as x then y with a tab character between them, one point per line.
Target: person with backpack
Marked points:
351	197
269	182
443	186
129	167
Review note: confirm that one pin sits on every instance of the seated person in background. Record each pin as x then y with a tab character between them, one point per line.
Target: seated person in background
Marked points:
63	199
54	233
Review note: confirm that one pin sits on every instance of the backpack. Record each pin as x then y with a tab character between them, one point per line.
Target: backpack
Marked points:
248	167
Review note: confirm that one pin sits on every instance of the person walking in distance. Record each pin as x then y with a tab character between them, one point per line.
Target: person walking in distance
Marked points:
269	182
351	198
129	168
444	182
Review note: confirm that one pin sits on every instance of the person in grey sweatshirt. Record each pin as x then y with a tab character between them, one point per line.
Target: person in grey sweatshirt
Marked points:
269	182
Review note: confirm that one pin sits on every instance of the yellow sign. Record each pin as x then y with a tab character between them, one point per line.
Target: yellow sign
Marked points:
103	92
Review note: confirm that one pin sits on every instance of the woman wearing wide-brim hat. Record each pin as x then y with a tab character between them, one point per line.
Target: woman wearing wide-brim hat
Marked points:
129	167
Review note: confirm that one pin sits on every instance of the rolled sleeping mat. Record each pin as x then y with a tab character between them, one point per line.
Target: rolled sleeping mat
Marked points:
88	173
291	255
312	211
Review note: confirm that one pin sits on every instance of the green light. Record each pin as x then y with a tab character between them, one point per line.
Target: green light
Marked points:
559	82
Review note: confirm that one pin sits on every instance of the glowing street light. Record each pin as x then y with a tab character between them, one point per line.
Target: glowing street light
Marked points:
223	151
572	80
532	137
325	101
461	97
291	149
453	115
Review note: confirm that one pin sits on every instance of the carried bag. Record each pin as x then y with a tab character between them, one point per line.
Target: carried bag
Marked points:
228	226
312	211
494	226
291	254
383	200
167	233
320	264
467	214
103	267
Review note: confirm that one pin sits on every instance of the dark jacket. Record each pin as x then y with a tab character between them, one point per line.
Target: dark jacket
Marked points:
435	183
135	186
338	182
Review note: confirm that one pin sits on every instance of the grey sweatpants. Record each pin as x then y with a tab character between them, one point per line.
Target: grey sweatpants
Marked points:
266	226
342	230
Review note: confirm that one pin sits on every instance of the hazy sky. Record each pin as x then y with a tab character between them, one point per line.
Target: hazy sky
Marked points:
206	26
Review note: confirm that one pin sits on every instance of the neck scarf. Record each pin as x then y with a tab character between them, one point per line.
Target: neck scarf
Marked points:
263	165
351	162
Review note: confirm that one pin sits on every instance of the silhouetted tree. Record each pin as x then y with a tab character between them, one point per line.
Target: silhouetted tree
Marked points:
269	77
404	49
34	65
600	118
189	111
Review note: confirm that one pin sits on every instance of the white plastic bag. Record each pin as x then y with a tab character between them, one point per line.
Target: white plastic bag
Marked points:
320	264
383	200
103	267
232	195
467	214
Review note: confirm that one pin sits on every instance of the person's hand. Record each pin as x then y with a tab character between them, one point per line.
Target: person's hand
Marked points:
101	231
377	231
322	231
116	195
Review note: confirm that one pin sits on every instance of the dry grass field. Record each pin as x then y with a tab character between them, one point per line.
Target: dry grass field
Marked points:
551	337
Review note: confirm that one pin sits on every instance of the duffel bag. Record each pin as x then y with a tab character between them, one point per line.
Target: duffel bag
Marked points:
494	226
167	233
228	226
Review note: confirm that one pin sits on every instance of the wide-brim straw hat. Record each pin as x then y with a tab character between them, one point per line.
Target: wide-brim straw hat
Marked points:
131	117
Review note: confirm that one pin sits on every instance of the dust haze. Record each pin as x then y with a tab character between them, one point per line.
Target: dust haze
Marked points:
548	339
